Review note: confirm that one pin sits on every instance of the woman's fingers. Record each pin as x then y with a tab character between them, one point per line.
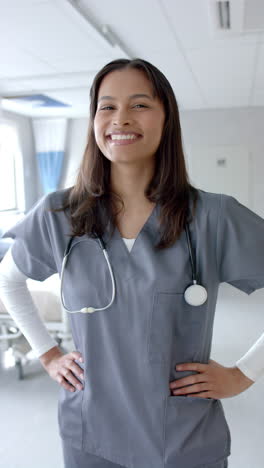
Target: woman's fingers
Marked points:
76	355
190	380
64	383
71	370
65	371
70	377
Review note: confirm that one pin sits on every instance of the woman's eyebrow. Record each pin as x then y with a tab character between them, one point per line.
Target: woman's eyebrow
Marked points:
130	97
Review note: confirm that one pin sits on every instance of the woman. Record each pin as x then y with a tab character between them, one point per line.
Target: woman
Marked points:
133	407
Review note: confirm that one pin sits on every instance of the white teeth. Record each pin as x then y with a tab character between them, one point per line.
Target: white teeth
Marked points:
123	137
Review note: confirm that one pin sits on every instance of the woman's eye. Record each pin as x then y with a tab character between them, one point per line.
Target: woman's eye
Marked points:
110	107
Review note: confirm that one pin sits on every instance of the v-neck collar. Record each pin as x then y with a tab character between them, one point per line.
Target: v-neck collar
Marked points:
146	225
128	243
121	259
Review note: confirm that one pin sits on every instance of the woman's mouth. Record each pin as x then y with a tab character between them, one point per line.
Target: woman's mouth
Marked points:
118	140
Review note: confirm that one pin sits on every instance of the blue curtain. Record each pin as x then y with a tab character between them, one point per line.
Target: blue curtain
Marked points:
50	135
50	165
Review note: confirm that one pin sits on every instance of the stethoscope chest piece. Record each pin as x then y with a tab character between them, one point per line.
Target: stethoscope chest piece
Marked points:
195	295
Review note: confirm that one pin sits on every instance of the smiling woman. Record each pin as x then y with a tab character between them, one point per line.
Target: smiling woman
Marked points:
124	413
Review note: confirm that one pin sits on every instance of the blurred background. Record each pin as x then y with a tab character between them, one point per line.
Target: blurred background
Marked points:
212	52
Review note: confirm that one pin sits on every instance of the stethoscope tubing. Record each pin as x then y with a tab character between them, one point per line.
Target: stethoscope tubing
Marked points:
102	245
192	258
65	258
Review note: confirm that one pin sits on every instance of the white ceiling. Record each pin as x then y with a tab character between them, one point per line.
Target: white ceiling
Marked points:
50	47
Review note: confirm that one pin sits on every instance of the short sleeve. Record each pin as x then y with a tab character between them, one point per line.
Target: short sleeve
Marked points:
240	246
32	247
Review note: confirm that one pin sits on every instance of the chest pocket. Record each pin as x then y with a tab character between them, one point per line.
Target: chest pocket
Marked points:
175	329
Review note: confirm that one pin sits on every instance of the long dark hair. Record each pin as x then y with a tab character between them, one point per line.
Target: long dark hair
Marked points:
89	203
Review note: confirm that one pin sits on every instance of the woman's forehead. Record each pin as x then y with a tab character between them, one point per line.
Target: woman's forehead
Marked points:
125	82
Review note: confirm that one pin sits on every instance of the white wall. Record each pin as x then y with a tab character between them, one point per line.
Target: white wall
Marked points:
75	146
25	136
236	127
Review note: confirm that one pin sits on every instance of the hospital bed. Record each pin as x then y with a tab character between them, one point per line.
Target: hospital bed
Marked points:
46	296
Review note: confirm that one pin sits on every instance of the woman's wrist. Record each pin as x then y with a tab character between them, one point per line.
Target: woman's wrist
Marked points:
50	354
241	376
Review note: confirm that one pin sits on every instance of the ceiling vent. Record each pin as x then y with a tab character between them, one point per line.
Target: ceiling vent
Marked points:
236	17
223	14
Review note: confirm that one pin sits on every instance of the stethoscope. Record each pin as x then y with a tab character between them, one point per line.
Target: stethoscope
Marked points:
194	294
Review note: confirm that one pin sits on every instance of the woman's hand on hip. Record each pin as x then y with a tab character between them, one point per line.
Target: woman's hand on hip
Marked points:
62	368
212	381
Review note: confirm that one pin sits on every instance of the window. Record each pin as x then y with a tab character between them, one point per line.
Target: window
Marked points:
11	170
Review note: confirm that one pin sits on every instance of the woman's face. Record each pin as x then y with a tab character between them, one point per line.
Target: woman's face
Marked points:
120	112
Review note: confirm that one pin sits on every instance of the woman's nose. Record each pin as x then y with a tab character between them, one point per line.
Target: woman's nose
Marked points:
121	123
121	118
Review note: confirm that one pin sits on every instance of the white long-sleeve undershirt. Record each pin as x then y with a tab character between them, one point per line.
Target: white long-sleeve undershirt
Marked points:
18	301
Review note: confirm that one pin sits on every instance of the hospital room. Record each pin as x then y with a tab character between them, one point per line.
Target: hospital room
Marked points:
92	88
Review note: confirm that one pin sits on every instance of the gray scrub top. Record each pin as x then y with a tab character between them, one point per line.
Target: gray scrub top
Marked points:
126	413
